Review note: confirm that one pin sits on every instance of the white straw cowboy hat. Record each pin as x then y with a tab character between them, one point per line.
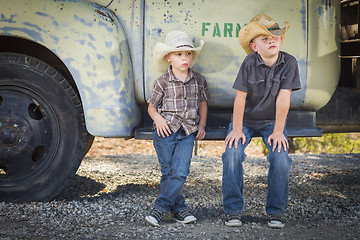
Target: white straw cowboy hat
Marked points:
175	41
260	25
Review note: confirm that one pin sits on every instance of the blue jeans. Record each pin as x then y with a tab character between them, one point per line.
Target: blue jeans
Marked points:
233	175
174	153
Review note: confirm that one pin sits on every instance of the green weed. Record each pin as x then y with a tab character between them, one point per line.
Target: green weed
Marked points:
339	143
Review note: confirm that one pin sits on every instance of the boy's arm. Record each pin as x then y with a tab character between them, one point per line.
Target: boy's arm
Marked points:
161	126
238	113
282	109
202	124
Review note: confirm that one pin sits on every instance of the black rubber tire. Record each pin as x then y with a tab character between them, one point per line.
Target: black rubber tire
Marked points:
43	137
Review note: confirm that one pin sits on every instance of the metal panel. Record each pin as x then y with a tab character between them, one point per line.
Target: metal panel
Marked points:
218	24
130	15
323	49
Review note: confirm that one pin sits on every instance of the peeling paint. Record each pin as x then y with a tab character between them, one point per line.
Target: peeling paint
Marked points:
89	40
303	19
8	20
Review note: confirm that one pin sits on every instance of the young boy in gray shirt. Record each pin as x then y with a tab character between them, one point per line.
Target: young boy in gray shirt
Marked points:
263	86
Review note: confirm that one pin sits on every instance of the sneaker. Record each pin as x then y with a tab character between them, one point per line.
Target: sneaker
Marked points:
233	220
154	217
184	217
275	222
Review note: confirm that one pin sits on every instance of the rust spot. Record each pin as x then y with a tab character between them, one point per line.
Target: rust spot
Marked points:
101	13
104	15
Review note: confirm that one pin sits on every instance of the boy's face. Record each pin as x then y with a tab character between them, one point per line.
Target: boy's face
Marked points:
180	61
266	45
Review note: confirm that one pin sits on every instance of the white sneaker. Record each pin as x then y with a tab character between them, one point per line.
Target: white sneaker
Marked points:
184	217
275	222
154	217
233	220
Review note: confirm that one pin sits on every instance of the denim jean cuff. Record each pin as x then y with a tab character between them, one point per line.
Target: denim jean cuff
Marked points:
161	209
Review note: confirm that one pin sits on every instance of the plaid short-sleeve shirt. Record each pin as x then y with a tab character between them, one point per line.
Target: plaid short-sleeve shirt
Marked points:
178	102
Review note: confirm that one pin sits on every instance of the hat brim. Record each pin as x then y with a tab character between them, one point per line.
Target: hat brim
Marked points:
162	49
253	30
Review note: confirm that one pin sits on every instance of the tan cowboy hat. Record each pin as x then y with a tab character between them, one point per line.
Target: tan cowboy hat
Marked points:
175	41
260	25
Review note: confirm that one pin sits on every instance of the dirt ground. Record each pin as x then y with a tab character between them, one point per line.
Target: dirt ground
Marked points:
295	229
118	180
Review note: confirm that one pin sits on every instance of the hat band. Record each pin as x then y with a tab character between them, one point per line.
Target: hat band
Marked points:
276	28
184	46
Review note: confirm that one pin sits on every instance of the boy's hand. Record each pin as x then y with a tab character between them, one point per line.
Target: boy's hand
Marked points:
161	126
201	133
234	136
278	139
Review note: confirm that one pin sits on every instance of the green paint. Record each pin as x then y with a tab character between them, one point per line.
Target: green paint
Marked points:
228	28
226	31
238	27
216	31
204	28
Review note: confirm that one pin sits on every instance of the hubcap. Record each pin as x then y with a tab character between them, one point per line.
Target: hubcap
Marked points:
27	130
14	136
9	135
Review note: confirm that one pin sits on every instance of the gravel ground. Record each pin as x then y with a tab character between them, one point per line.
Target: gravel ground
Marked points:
111	193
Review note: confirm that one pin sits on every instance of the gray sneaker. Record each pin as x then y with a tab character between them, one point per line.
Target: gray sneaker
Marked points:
184	217
154	217
233	220
275	222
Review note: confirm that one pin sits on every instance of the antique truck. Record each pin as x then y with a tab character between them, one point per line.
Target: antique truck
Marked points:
74	69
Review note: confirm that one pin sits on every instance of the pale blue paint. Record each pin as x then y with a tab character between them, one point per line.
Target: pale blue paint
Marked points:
108	44
83	21
91	45
91	37
81	41
33	26
114	62
42	14
9	20
36	36
297	97
303	19
55	38
102	24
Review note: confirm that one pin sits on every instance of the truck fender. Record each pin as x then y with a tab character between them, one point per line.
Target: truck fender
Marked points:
90	41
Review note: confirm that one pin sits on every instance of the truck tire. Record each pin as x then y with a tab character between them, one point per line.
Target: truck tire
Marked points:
43	137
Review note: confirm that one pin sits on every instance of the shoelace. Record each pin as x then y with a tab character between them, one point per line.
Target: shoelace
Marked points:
183	214
231	217
275	218
157	214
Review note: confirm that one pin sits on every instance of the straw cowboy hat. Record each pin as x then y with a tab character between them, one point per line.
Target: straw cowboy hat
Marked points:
260	25
175	41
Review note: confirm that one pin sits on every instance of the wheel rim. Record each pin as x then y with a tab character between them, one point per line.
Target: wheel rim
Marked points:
28	135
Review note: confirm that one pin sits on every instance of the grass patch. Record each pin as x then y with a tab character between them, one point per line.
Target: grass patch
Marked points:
335	143
339	143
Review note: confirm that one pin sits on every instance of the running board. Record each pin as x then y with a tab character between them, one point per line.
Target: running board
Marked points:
220	133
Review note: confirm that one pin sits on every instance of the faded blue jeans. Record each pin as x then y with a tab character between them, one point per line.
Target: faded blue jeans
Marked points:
174	154
233	175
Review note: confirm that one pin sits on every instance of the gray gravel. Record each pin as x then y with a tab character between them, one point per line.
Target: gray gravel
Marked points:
110	195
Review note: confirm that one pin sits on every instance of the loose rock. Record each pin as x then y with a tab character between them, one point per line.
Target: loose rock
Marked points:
110	195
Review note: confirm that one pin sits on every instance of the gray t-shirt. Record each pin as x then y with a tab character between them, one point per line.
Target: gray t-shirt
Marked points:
262	84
